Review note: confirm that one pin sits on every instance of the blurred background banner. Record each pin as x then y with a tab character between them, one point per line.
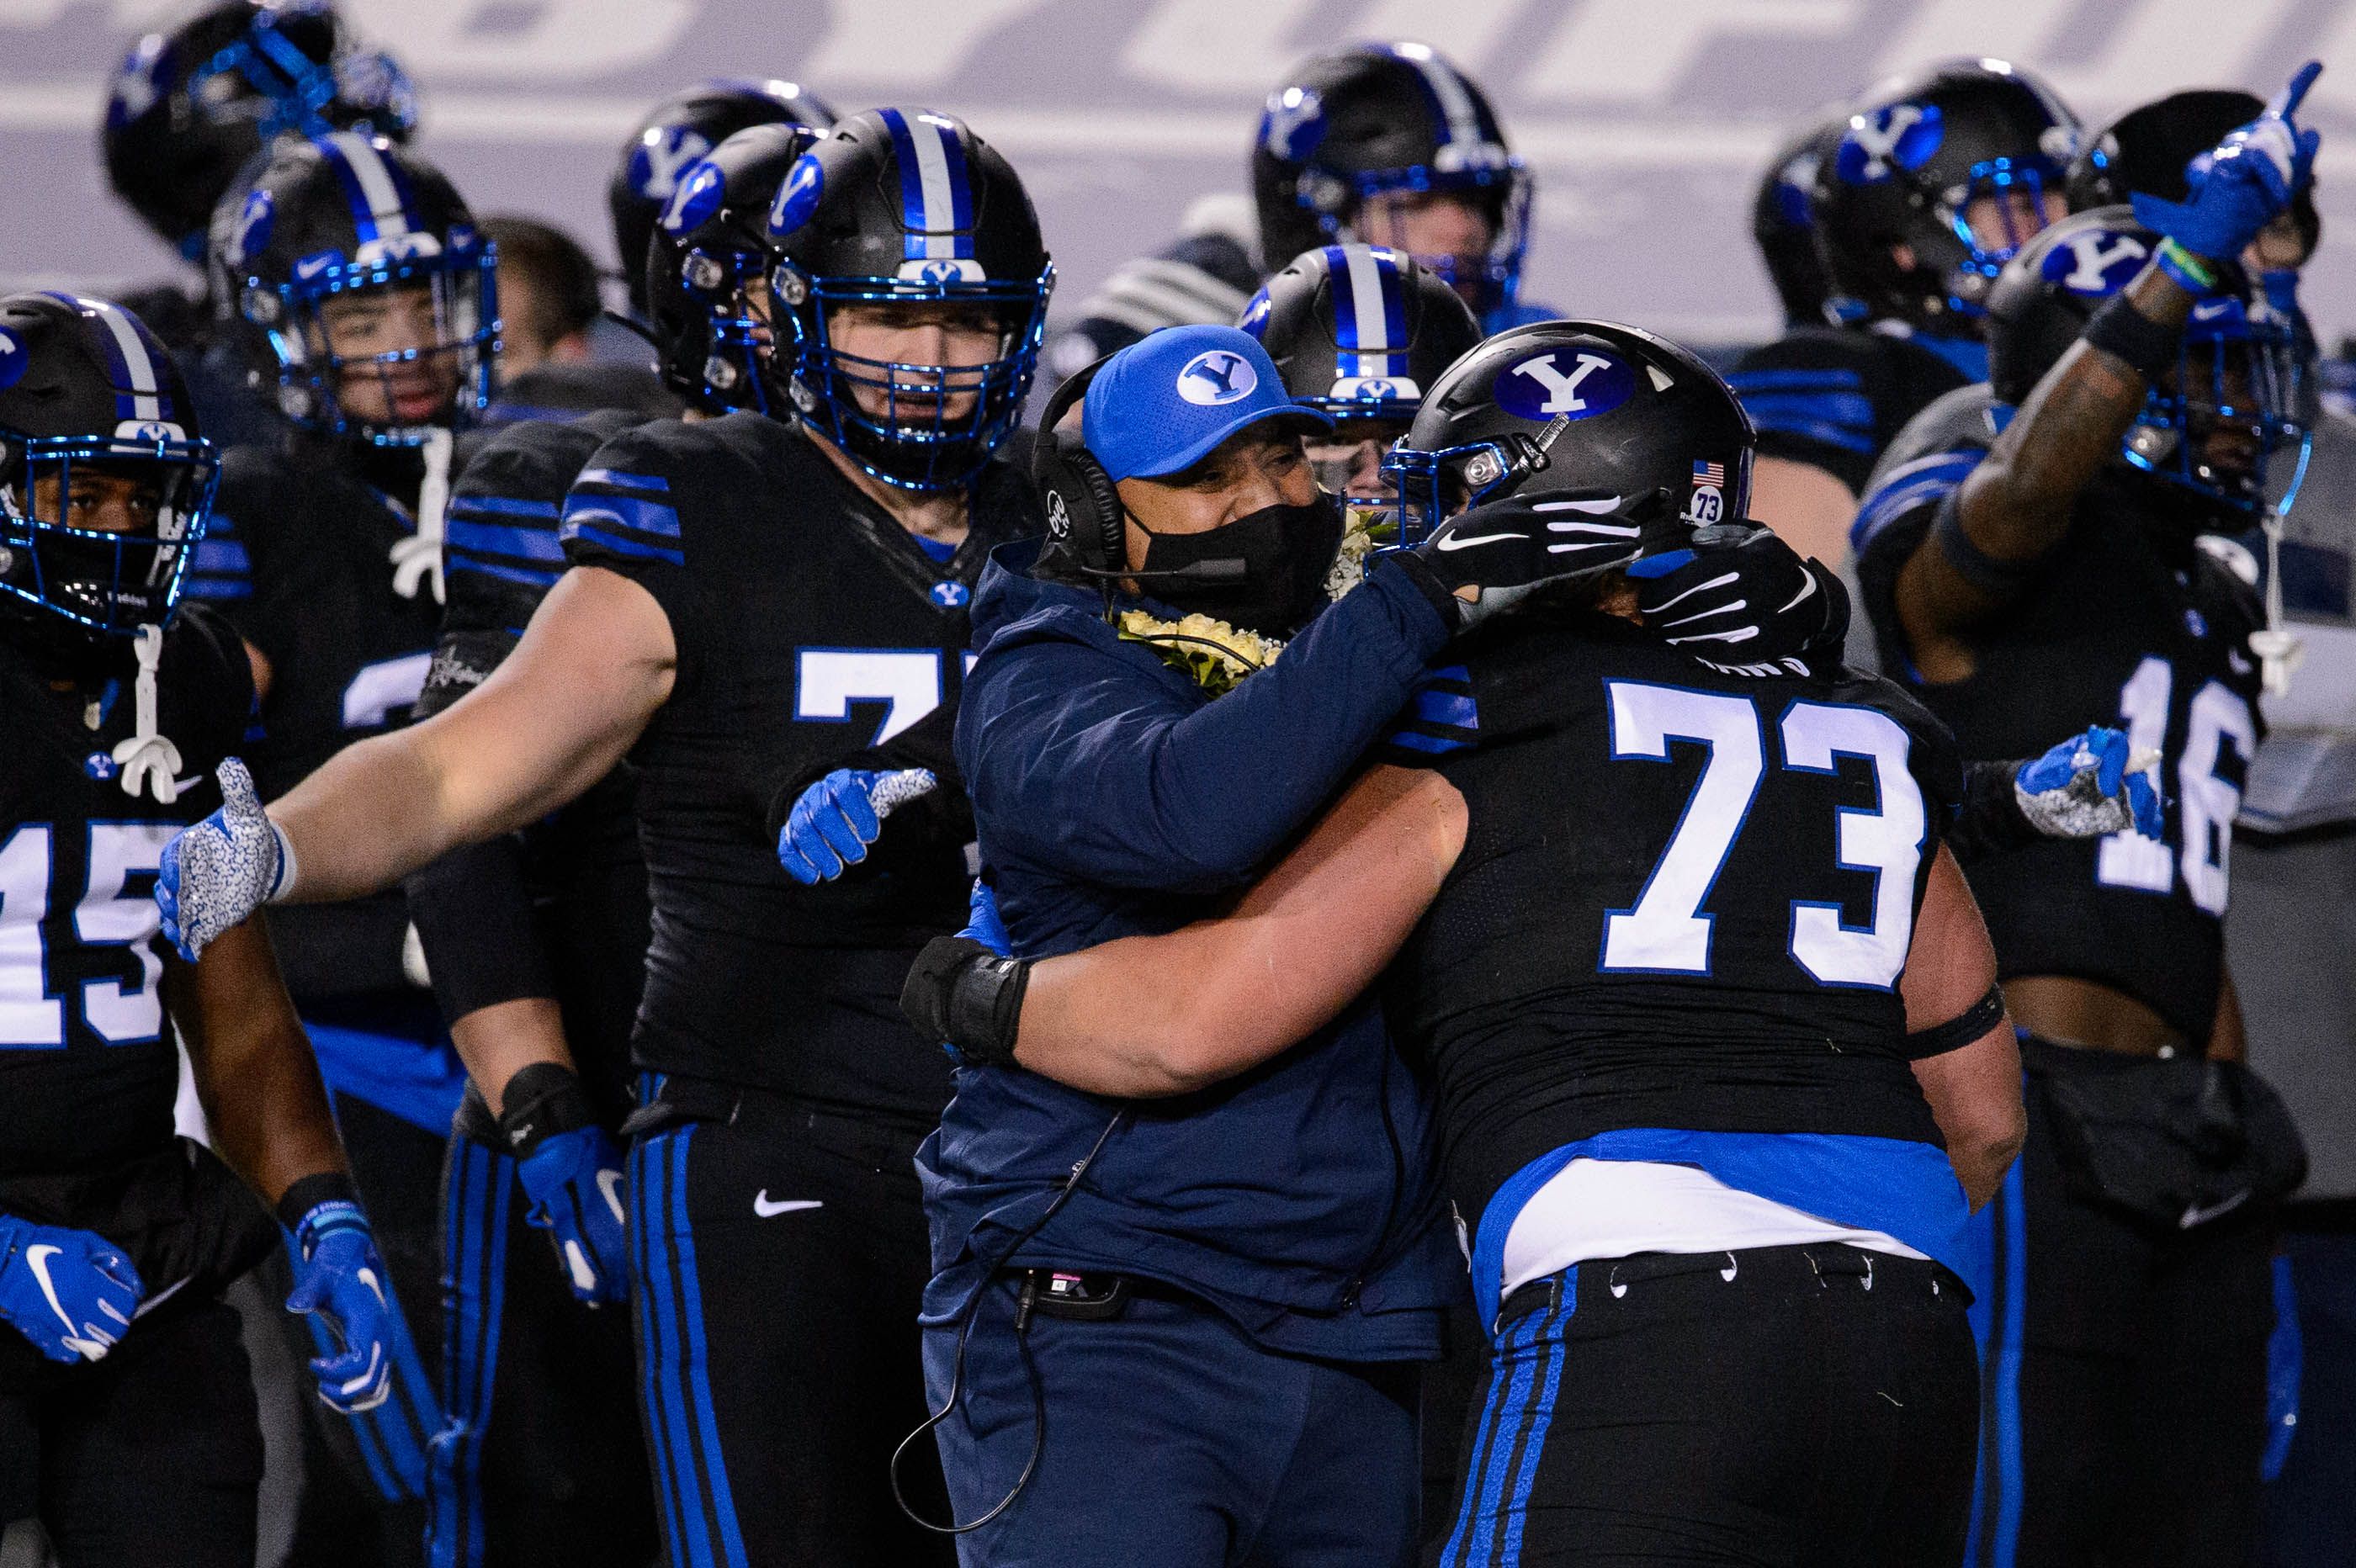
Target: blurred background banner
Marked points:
1646	121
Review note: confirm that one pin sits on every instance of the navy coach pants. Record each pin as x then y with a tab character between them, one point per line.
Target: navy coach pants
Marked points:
1173	1439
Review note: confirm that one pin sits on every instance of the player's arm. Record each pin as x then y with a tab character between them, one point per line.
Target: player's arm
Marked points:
1982	550
1967	1060
1809	507
2228	1041
1151	1016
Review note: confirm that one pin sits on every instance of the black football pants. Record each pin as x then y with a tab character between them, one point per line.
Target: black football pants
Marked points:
779	1256
1778	1407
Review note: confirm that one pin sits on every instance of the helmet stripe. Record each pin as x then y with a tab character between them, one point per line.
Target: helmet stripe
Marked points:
1374	342
933	190
138	391
378	210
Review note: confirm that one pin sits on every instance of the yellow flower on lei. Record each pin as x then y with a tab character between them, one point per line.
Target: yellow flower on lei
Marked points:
1212	654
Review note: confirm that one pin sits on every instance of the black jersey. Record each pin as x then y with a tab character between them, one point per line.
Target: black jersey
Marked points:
298	557
2129	624
88	1072
812	633
1685	899
558	910
1833	397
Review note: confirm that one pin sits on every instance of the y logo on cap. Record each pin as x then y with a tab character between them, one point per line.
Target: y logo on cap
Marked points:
1216	375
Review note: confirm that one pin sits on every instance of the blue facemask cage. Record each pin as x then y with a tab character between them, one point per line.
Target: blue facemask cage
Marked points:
2243	368
1999	179
1433	487
154	561
1496	283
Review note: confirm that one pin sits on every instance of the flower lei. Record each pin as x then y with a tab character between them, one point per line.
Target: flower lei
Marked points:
1214	654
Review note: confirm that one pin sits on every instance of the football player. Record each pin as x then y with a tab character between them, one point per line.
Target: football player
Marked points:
127	1412
1381	143
1784	228
757	599
1701	992
1934	180
536	943
2058	580
365	310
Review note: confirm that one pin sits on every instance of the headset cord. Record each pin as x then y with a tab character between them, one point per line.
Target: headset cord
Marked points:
965	1320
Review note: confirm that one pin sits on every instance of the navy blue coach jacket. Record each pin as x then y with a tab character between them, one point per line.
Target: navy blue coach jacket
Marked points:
1115	798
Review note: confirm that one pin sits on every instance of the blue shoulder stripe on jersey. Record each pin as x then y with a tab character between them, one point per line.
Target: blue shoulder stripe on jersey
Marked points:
1911	486
651	517
1436	707
525	575
224	557
585	528
1970	355
504	506
496	539
1785	410
1828	379
1415	740
625	481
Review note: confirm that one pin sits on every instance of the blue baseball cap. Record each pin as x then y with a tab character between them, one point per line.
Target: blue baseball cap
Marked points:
1164	403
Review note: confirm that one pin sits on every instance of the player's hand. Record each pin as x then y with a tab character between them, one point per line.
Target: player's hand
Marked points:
1742	600
837	817
72	1293
572	1171
2089	785
218	872
2252	175
1492	557
339	1277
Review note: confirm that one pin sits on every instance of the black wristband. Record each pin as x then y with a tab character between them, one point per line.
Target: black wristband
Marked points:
1957	1032
1990	574
308	1192
961	992
2124	333
542	1101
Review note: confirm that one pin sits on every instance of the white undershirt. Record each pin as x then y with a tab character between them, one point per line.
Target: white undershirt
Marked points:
1614	1208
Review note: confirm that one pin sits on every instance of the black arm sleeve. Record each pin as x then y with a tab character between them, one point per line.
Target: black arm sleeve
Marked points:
483	944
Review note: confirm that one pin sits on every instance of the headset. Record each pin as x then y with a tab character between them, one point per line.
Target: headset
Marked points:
1086	522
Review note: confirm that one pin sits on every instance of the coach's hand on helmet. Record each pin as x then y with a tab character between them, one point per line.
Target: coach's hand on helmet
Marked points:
1493	556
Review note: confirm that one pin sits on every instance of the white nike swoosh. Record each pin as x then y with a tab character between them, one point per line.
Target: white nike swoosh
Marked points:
1466	541
767	1210
609	1186
38	1258
367	1276
1807	586
160	1298
2196	1215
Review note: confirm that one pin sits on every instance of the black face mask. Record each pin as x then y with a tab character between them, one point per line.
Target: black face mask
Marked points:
1286	553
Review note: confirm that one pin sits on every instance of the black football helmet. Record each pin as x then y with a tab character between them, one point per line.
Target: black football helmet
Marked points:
673	136
87	393
1381	117
190	108
1633	442
1359	331
1783	226
2155	149
2237	394
710	250
337	220
1916	154
904	205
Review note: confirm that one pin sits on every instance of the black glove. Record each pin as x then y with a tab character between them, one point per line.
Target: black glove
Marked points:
1497	554
967	997
1743	601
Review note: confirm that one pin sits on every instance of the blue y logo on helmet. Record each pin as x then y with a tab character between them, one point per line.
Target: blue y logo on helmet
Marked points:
1564	383
797	197
1216	375
1292	123
2096	263
696	198
662	155
14	359
1902	136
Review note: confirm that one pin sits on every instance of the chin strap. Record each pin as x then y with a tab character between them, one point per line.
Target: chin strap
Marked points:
418	559
2278	649
146	758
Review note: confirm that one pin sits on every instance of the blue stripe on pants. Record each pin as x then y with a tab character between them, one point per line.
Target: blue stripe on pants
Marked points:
645	1297
2000	1230
477	1199
1525	1377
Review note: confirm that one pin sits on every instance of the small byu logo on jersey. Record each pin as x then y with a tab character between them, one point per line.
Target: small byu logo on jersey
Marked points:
99	765
949	595
1568	383
1216	375
2097	262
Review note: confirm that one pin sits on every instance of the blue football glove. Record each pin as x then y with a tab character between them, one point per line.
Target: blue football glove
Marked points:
2252	177
981	921
572	1171
837	817
218	872
72	1293
338	1275
2089	785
